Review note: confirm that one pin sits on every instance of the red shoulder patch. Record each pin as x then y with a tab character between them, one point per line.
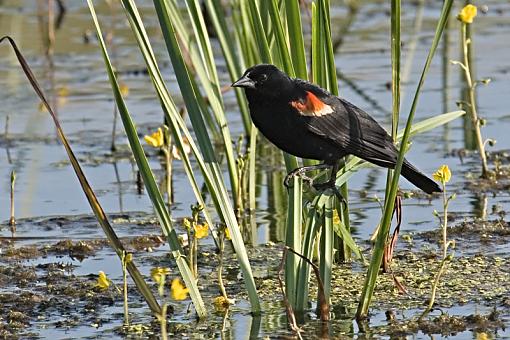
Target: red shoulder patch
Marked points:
311	105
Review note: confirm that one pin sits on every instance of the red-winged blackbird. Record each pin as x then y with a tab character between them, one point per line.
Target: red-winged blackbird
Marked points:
309	122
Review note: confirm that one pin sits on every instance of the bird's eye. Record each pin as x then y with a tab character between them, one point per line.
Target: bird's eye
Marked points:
262	77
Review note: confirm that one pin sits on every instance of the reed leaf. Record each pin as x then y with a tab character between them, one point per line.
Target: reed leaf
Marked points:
198	46
234	61
313	225
148	179
296	41
211	168
172	116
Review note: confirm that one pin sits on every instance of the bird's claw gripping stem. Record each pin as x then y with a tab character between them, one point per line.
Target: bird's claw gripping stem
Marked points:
300	172
303	170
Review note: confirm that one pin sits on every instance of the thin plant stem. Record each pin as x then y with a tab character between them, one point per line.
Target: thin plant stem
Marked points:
195	255
220	266
7	140
191	257
445	222
167	150
472	102
12	220
434	289
113	147
445	258
125	260
162	321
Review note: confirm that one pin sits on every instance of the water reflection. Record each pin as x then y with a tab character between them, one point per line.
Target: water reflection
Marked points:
445	82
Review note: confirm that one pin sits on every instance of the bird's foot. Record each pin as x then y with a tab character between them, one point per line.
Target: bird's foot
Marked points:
299	172
329	185
323	186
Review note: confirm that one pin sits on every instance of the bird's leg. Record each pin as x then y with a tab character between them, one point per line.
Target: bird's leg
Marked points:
332	178
304	169
330	184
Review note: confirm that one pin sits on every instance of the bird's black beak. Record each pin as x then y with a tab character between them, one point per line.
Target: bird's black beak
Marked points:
244	82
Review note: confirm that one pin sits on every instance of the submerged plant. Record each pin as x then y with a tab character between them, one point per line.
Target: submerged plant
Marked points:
443	175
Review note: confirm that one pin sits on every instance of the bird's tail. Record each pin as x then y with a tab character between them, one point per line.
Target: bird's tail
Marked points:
414	176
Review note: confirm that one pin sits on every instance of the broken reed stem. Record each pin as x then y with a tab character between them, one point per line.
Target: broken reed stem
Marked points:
472	102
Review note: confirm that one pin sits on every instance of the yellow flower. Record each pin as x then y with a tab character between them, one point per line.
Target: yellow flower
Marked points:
467	14
102	281
156	139
227	234
179	291
201	230
158	274
482	336
443	174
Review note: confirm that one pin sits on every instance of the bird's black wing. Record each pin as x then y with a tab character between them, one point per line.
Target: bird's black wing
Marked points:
351	128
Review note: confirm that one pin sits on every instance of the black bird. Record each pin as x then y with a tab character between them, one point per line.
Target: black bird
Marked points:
309	122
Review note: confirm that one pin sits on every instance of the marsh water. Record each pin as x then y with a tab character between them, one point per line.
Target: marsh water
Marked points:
51	209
